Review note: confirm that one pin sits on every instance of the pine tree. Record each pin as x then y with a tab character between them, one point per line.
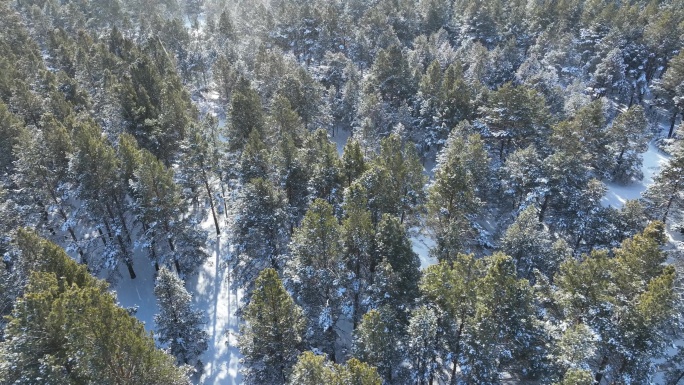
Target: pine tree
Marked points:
401	190
520	174
322	159
310	369
513	344
353	162
452	288
201	163
42	171
628	142
516	115
10	129
246	115
671	90
577	377
318	273
355	372
66	328
96	168
392	76
358	243
393	245
168	232
178	324
313	369
375	343
254	159
666	194
272	333
625	300
260	229
528	242
422	345
585	137
452	202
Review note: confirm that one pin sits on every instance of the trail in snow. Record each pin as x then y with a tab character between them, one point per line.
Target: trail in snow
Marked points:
212	292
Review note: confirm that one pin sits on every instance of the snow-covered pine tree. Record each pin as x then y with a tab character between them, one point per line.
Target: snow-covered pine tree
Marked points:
270	339
169	232
358	243
422	345
529	243
393	245
314	369
318	274
376	343
452	289
665	196
628	141
179	325
452	200
260	229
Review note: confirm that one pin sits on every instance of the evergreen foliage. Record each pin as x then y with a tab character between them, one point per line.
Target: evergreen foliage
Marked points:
271	336
66	328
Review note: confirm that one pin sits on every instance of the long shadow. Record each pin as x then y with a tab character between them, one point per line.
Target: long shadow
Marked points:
218	278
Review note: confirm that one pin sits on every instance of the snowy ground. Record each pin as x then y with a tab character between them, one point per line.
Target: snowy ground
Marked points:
421	246
618	194
211	292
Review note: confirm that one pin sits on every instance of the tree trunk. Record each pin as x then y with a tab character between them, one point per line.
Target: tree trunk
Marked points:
667	208
129	265
673	120
599	373
544	205
84	260
223	195
457	353
102	238
211	202
121	218
618	162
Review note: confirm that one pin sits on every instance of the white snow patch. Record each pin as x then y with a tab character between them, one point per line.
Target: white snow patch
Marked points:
138	292
340	138
618	194
421	245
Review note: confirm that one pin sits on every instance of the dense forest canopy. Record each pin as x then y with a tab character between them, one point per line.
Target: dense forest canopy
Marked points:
308	151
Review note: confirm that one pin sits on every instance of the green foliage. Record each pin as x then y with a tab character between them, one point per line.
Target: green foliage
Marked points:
399	190
323	163
178	324
666	194
66	328
452	201
246	115
375	343
313	369
318	272
628	142
272	333
518	114
260	229
392	76
626	301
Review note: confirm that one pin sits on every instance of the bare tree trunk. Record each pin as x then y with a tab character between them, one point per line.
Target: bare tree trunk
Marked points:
673	120
211	202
